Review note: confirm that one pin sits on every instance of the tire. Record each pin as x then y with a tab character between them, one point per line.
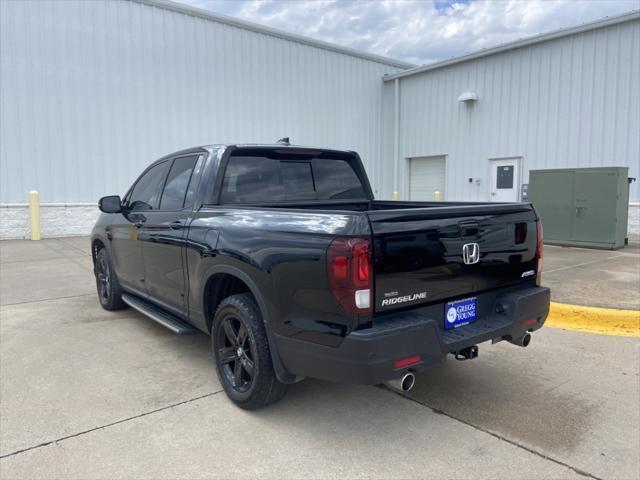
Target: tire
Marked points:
109	289
241	354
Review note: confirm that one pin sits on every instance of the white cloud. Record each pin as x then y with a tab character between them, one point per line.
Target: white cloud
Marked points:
418	31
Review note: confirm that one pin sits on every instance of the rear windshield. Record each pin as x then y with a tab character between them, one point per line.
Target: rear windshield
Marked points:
290	177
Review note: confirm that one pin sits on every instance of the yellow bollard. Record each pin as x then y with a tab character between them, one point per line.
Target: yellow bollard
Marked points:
436	196
34	214
395	196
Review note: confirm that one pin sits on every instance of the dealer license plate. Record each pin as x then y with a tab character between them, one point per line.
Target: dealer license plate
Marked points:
460	312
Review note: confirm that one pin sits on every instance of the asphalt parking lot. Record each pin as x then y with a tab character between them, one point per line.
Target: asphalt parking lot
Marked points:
86	393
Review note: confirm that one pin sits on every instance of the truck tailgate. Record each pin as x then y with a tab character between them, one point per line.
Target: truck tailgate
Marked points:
418	252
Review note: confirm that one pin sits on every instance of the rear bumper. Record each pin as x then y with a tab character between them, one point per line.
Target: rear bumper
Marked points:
367	356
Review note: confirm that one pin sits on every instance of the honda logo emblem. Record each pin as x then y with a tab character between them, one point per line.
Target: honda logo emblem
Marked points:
471	253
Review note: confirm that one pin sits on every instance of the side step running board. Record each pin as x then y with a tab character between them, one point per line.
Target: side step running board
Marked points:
165	319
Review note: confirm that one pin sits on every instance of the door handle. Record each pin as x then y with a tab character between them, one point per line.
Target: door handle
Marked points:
177	225
579	210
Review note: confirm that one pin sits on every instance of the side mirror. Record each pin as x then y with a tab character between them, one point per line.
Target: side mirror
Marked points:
110	204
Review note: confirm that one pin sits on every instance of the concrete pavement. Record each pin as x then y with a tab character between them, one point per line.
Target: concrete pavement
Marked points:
86	393
597	278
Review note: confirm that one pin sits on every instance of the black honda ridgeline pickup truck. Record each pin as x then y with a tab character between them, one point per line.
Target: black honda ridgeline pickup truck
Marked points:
283	256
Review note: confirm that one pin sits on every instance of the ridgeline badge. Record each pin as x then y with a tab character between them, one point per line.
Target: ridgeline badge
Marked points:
404	299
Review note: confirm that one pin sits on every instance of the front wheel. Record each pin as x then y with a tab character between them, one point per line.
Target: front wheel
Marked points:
109	290
242	356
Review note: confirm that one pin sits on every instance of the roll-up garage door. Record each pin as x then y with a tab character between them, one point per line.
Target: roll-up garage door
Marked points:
426	176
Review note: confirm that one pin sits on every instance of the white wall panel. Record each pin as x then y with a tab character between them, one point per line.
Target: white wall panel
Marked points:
93	91
572	101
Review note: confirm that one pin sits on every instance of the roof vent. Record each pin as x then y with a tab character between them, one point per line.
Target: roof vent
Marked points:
468	97
284	141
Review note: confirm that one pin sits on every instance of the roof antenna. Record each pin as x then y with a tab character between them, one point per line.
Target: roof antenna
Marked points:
284	141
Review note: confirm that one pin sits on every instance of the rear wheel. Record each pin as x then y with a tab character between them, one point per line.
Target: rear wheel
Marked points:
242	356
109	290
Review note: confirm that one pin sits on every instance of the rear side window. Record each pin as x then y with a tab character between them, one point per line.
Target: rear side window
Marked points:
175	190
260	179
146	191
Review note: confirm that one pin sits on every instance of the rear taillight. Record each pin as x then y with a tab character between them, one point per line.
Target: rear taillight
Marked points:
539	252
349	270
521	232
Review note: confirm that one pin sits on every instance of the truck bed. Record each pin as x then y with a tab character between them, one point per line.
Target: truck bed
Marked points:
417	246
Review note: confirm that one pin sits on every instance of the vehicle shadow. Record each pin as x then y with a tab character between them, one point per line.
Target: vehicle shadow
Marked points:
495	395
506	391
509	399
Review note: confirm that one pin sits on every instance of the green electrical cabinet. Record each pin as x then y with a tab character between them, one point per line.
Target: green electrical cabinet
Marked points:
585	207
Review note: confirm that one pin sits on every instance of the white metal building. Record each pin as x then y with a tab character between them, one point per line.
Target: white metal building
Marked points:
91	92
566	99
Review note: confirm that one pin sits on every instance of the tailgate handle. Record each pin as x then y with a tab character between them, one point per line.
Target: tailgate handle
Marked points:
468	229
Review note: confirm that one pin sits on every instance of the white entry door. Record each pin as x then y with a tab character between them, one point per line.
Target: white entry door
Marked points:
505	180
426	176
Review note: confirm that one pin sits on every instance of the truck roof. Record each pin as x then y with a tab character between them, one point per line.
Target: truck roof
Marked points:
215	146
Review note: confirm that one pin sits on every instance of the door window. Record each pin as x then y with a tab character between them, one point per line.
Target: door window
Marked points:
193	183
175	190
146	192
505	176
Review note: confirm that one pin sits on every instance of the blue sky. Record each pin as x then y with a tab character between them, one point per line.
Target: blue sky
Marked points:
418	31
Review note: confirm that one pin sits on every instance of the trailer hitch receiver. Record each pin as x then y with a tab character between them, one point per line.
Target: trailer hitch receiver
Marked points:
468	353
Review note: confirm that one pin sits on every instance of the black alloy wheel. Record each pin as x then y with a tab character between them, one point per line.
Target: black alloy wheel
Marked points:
236	354
107	284
103	279
241	353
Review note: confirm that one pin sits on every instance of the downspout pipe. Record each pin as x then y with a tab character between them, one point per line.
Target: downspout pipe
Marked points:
396	140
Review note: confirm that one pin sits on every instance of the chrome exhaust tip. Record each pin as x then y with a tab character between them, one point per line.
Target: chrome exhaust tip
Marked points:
522	341
403	383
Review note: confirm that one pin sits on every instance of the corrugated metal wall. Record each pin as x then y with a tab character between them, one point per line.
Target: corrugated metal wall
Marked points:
569	102
93	91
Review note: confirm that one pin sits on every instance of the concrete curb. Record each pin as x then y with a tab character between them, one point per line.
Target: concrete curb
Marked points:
604	321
